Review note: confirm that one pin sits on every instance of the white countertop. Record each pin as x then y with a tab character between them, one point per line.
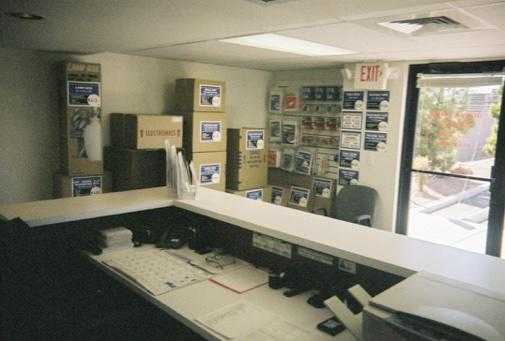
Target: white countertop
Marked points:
379	249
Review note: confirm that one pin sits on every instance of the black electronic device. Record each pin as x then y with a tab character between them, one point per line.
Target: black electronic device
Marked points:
277	280
174	238
331	326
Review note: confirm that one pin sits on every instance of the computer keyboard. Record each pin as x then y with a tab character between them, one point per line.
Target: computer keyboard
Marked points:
156	270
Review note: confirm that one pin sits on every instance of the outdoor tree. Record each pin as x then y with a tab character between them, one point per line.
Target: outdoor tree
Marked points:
443	121
490	146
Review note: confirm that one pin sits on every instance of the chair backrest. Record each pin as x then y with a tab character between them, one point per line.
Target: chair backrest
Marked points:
354	201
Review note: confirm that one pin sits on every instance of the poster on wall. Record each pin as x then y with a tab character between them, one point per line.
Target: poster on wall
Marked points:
303	162
255	194
299	196
377	100
354	100
376	142
275	130
349	159
275	102
210	95
352	120
254	139
83	94
322	187
376	121
348	177
351	140
210	131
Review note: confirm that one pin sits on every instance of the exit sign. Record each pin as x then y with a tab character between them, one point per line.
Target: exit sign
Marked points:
371	76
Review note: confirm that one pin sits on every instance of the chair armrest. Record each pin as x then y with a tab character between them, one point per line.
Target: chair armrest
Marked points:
320	210
364	219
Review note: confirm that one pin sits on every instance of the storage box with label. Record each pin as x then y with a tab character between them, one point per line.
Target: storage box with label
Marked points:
204	132
211	169
81	128
77	186
135	168
141	131
199	95
247	158
254	193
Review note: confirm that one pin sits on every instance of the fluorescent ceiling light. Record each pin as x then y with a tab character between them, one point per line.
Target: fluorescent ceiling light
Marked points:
402	27
276	42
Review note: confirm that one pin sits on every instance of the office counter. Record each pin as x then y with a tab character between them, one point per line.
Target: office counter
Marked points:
389	252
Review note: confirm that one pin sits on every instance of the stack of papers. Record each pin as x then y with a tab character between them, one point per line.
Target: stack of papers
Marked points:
242	279
245	321
115	238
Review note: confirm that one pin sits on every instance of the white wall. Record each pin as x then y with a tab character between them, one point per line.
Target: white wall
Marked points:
377	170
29	112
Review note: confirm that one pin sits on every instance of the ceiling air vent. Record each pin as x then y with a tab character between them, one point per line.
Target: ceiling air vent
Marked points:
269	2
424	26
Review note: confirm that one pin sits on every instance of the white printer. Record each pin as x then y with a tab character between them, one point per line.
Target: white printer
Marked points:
430	307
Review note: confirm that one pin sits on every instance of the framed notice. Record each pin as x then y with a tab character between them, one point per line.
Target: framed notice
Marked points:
376	121
376	142
352	120
83	94
277	194
275	101
210	174
275	130
350	140
255	194
349	159
210	95
303	162
354	100
322	187
377	100
210	131
299	196
348	177
255	139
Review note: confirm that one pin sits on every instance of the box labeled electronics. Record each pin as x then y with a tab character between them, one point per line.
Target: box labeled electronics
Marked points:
204	132
135	168
211	169
199	95
142	131
81	119
247	158
78	186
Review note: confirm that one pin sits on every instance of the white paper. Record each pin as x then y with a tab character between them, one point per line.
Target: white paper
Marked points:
280	330
242	279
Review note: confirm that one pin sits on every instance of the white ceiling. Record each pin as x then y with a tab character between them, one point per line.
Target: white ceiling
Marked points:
190	29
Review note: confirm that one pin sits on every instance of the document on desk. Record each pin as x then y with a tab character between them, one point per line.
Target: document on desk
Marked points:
242	279
247	322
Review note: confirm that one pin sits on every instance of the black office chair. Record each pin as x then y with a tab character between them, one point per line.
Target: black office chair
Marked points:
354	204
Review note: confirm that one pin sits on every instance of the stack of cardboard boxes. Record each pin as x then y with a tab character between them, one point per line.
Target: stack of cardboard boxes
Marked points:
247	163
136	157
202	103
81	133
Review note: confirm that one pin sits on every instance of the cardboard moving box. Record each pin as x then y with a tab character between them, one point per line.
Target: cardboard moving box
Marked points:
77	186
141	131
81	128
135	168
199	95
204	132
211	169
247	158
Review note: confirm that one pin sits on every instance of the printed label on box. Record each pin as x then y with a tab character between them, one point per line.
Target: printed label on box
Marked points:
210	131
210	95
255	194
89	185
210	174
83	94
255	139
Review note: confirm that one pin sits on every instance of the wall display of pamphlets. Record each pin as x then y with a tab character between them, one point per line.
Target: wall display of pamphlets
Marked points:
275	129
376	121
377	100
274	156
352	120
349	159
299	196
288	159
348	177
326	163
289	132
376	142
353	100
291	99
351	140
322	187
276	101
303	162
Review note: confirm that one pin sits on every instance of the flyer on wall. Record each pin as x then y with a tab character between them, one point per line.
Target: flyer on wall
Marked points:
376	141
377	100
303	162
255	139
83	94
351	140
322	187
349	159
348	177
352	120
354	100
299	196
376	121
